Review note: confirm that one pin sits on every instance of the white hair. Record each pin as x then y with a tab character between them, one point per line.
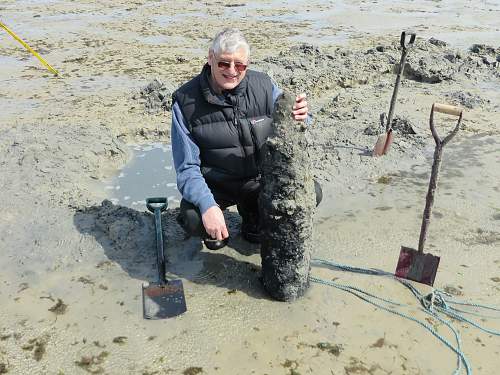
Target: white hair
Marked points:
229	40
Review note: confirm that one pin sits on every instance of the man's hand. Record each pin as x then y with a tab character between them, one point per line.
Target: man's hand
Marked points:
214	223
299	109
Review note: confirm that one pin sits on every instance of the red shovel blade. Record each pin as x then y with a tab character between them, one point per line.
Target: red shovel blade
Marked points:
383	144
416	266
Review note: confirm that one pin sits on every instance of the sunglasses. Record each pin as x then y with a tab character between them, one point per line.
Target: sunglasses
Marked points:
240	67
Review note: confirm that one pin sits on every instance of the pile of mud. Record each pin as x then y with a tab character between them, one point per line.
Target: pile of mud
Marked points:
307	67
156	96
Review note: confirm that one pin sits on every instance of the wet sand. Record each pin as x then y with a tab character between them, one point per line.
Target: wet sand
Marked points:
73	264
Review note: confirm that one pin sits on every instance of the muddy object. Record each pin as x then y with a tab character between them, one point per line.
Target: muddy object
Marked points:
193	371
453	290
429	69
156	96
287	203
437	42
466	99
334	349
38	345
121	340
91	363
59	308
401	125
483	49
3	368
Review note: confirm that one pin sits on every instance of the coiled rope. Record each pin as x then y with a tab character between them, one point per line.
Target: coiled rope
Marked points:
432	304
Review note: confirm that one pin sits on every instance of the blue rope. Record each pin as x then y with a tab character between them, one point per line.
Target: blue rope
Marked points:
432	304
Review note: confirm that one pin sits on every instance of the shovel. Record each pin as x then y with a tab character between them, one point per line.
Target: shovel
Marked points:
414	264
163	299
384	141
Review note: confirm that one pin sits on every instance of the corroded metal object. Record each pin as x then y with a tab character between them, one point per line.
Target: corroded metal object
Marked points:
287	203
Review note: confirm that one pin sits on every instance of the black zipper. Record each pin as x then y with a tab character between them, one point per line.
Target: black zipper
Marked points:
237	124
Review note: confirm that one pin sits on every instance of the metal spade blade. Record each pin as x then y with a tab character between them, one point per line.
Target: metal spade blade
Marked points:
162	299
414	264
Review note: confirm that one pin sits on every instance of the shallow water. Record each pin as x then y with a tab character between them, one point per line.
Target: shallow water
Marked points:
320	22
149	173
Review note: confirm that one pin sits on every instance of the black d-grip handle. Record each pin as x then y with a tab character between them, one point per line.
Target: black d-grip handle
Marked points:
410	42
156	203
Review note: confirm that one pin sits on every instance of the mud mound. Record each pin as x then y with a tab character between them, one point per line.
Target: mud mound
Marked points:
433	62
156	96
400	124
128	229
308	68
466	99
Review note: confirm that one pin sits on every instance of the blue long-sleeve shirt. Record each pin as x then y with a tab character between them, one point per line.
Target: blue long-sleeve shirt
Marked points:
186	154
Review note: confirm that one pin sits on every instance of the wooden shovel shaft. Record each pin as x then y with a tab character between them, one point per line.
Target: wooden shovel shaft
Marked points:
438	152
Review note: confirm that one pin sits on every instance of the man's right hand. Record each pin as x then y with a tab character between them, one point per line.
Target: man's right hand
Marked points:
214	223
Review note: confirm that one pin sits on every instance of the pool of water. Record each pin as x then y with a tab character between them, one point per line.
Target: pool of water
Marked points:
149	173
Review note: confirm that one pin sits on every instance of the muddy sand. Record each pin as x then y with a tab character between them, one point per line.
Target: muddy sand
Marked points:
73	262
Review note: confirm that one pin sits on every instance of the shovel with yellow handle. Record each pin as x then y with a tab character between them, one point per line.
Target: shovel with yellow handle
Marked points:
414	264
33	52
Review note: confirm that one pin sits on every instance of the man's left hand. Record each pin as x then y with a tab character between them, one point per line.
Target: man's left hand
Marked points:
299	109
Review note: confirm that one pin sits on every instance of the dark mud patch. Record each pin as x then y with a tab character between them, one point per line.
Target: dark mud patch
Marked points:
85	280
384	180
92	363
334	349
4	368
193	371
357	367
382	342
38	345
454	291
290	364
120	340
59	308
383	208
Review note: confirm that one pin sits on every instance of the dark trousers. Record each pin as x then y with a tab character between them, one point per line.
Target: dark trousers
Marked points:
244	194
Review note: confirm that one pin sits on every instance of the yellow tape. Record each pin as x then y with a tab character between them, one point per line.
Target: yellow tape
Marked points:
34	53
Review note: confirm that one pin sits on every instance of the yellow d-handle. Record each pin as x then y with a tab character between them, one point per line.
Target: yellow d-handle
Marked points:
51	69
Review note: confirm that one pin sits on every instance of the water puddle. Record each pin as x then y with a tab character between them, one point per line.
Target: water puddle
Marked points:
150	173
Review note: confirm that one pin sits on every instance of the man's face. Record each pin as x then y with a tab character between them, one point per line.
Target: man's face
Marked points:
228	69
